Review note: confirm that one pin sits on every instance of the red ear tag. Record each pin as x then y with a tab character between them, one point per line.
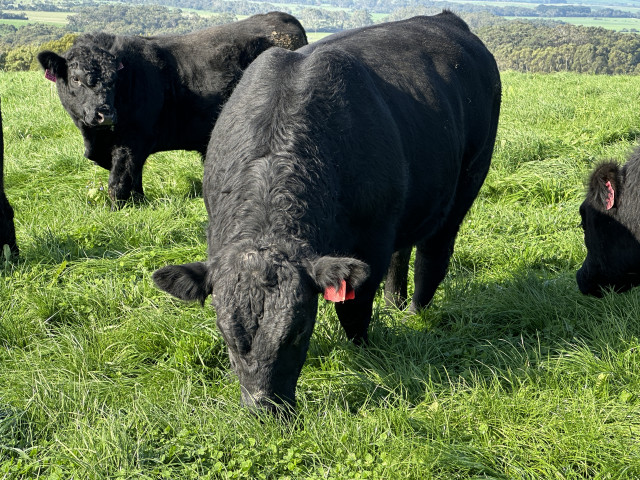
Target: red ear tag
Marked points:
49	75
345	292
611	196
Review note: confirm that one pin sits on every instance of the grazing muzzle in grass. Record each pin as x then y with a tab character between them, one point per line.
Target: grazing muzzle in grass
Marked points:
266	301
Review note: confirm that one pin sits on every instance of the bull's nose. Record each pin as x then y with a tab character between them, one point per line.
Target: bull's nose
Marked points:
268	403
106	119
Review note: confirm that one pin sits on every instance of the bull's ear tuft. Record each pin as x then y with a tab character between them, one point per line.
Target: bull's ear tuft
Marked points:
53	64
605	186
189	282
338	277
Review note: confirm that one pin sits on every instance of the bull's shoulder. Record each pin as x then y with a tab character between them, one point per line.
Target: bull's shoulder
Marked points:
451	18
141	51
303	69
130	47
436	34
262	25
98	39
273	19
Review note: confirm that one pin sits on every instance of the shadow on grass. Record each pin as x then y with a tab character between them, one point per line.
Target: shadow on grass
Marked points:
105	241
509	332
56	248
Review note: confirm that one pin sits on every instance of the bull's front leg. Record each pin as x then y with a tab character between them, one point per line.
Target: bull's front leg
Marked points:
355	315
125	178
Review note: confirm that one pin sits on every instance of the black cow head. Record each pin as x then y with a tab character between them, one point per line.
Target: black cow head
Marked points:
85	77
266	303
610	233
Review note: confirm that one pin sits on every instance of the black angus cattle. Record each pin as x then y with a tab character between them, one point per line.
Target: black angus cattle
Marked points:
133	96
7	228
324	162
610	219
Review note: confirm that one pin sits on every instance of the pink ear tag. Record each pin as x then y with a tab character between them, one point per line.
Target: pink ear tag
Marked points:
120	66
49	75
611	196
345	292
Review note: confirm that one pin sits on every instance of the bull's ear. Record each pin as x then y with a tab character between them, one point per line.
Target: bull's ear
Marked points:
605	185
338	277
54	65
187	282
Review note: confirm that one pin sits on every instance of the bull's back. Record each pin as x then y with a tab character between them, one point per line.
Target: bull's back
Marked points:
383	109
438	93
237	42
430	69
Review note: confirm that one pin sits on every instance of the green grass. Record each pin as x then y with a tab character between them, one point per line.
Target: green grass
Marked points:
511	374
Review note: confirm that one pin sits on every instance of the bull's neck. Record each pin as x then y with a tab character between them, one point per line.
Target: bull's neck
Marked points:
281	198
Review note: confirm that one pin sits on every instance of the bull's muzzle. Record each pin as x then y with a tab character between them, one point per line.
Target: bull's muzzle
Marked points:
273	404
106	119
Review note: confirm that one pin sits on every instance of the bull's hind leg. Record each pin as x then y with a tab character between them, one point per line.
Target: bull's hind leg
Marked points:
395	285
430	268
125	178
433	253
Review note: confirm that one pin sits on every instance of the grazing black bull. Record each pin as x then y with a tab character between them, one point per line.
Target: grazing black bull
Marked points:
323	163
610	216
133	96
7	228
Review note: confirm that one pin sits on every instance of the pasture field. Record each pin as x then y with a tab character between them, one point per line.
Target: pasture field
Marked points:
52	18
510	374
617	24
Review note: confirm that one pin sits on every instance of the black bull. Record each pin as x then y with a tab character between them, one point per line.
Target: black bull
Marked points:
133	96
322	164
7	228
610	214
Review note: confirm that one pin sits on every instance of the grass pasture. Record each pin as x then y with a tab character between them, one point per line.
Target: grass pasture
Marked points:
617	24
51	18
511	374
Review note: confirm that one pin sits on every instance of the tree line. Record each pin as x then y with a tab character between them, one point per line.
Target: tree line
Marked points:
545	47
549	46
545	8
527	46
141	20
19	46
13	16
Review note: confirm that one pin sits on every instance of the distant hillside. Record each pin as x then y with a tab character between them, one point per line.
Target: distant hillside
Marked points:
543	47
529	46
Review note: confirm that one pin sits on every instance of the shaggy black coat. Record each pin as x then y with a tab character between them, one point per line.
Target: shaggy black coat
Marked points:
323	163
133	96
7	228
611	223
